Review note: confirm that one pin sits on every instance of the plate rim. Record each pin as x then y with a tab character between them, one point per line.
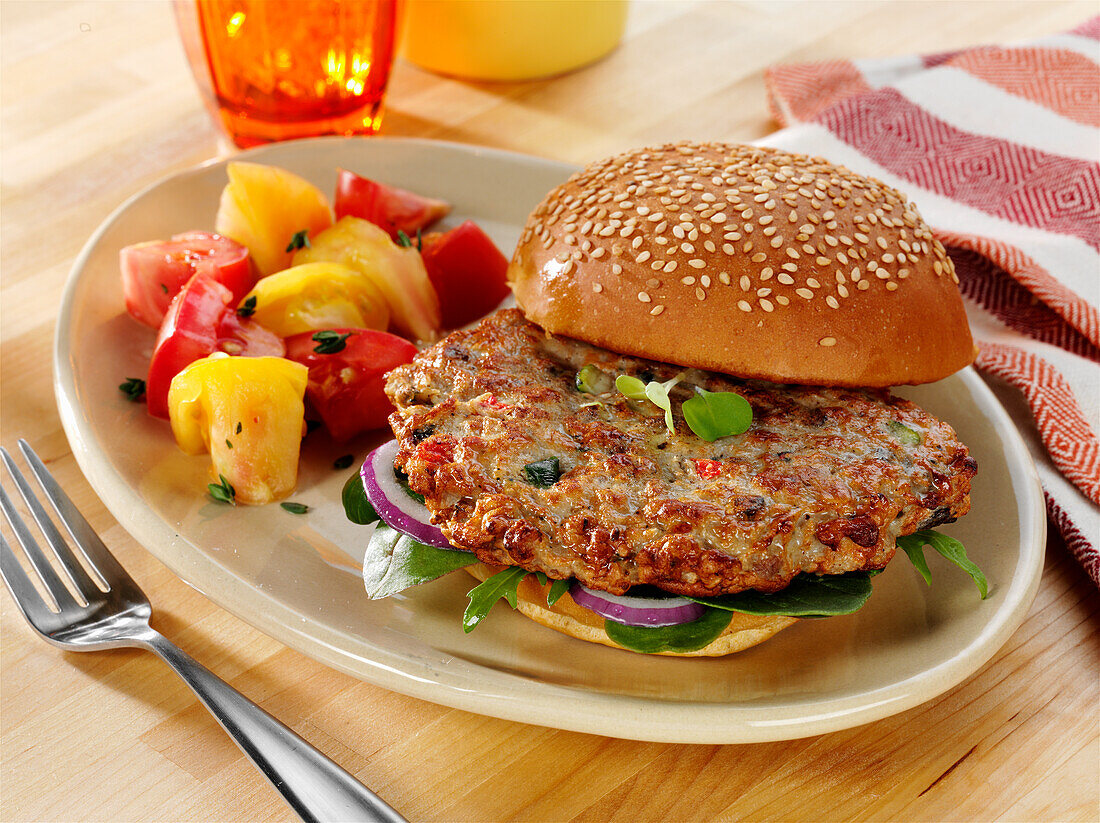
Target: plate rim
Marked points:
577	709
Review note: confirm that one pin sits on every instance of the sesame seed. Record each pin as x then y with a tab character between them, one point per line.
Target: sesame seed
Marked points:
785	279
656	310
688	281
806	293
653	282
687	248
827	341
891	286
636	242
790	267
643	297
863	285
596	287
616	268
903	273
670	267
832	302
709	245
641	258
598	253
782	300
744	305
705	281
855	275
759	257
745	282
937	267
568	267
812	283
678	231
766	273
792	253
699	293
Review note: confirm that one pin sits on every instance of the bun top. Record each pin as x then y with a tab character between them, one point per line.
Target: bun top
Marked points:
745	260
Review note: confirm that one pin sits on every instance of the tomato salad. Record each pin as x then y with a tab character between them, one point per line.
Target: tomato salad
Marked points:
284	314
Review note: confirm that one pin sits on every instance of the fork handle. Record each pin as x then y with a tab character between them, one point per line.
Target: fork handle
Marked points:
315	787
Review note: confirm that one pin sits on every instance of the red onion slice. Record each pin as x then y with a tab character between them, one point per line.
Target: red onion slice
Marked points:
394	505
637	611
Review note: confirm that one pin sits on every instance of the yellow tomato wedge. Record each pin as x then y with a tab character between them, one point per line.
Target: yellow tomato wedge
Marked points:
248	413
264	207
317	296
398	272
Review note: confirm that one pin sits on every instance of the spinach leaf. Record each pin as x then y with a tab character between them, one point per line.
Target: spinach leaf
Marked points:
403	482
395	562
543	473
808	595
557	589
356	506
686	637
714	414
484	595
913	545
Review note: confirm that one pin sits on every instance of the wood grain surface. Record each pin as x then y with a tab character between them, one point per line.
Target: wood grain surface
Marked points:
97	102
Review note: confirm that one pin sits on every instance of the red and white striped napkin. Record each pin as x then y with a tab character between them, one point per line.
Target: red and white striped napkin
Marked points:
1000	148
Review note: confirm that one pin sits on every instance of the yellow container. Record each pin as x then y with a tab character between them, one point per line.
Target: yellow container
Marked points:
510	39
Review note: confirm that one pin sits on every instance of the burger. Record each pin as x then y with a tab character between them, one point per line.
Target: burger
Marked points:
682	441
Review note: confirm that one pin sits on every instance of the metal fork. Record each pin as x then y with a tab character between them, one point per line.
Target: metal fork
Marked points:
118	616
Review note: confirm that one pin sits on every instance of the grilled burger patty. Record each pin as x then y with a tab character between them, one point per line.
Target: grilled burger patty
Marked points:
823	481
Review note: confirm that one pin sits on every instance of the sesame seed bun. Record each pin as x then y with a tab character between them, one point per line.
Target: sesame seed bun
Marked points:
745	260
568	618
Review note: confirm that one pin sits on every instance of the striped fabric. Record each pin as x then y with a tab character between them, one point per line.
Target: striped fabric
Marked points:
1000	147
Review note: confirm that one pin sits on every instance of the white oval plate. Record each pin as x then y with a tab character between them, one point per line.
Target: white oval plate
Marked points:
297	577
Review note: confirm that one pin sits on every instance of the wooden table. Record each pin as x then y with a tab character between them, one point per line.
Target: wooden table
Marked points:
97	103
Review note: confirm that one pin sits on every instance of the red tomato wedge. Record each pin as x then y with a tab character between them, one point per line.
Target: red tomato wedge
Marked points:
346	387
154	272
201	320
468	271
391	208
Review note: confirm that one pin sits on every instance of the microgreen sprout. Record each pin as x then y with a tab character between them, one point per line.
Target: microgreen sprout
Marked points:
717	414
655	392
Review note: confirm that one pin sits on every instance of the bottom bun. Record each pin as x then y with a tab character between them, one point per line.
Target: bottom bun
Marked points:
568	618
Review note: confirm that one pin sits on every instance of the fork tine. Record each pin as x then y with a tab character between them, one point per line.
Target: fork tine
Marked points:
77	576
97	554
22	590
62	597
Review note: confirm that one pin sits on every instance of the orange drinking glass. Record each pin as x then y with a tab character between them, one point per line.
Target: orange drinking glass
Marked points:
281	69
